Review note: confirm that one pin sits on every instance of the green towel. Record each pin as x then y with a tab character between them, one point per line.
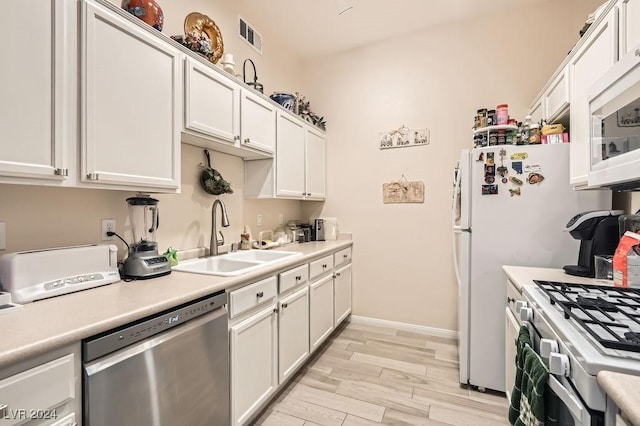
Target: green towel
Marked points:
528	398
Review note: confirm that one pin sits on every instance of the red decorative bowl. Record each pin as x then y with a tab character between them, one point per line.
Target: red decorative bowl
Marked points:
147	10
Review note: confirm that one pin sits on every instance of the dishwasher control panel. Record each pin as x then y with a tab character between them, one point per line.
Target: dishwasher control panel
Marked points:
98	346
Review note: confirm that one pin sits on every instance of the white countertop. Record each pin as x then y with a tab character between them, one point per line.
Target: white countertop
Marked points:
624	390
47	324
522	276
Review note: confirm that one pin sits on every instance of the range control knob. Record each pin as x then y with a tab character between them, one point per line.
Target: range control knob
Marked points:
526	314
519	305
547	347
559	364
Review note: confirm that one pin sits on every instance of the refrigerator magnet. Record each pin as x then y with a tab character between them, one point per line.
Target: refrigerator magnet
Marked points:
480	156
489	170
517	166
515	180
490	158
489	179
519	156
535	178
532	168
502	171
505	180
489	189
514	191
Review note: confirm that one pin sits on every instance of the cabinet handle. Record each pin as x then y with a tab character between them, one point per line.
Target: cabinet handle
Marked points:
3	410
337	274
259	295
284	305
510	300
92	176
247	141
275	310
298	277
61	172
345	256
324	266
236	138
637	52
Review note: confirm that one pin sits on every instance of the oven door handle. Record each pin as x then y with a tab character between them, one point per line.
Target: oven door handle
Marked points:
571	402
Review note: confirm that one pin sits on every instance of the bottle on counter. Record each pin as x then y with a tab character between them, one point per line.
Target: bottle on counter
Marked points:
245	239
526	130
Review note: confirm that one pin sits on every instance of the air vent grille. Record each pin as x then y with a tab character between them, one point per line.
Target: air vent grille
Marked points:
249	34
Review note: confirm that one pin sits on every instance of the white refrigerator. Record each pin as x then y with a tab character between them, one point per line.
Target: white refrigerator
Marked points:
510	206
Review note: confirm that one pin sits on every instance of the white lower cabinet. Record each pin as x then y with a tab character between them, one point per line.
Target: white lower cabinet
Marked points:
342	296
320	311
45	389
293	332
254	363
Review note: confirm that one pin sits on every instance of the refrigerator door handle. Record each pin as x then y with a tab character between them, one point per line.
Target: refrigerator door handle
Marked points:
455	214
456	231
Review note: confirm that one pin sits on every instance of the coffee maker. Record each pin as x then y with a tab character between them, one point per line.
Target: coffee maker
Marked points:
143	260
598	235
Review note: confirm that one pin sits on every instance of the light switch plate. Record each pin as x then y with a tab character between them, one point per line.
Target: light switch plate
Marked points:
3	236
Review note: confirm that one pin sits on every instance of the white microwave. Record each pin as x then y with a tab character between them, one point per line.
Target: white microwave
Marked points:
614	106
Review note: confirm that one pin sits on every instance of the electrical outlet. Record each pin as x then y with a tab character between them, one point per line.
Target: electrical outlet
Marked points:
3	236
280	219
259	220
108	225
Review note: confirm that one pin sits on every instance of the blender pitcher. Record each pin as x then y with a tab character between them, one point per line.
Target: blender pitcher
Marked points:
144	216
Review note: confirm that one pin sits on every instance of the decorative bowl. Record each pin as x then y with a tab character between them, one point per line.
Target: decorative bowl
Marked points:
287	100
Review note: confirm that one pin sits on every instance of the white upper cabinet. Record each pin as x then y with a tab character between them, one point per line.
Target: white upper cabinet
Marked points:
629	15
34	92
257	123
290	161
314	165
212	103
590	62
555	99
131	90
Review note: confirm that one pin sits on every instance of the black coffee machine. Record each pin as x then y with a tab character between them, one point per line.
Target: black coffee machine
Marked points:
598	235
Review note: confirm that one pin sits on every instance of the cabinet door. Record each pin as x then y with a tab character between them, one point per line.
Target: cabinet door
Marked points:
629	28
32	92
293	332
212	103
511	330
556	97
315	165
589	63
320	311
257	123
131	103
342	288
290	157
536	111
254	363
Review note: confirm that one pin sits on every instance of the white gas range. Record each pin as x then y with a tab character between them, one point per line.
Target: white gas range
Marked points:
580	330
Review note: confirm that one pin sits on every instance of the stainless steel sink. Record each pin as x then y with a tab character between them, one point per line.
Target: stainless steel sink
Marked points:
234	264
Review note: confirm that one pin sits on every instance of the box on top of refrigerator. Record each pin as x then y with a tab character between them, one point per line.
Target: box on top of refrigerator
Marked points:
626	261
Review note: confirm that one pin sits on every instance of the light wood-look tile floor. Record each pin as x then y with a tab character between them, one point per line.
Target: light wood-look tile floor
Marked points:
369	375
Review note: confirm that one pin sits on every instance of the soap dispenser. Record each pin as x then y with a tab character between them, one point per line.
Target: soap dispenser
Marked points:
245	239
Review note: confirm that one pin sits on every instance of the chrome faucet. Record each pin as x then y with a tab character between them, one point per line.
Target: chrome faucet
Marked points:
213	245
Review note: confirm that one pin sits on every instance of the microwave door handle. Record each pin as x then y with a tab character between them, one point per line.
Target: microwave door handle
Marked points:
571	402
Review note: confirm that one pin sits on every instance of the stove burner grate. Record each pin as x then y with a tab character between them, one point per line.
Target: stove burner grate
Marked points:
598	312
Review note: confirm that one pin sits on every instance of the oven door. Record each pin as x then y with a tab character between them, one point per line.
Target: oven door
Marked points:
571	408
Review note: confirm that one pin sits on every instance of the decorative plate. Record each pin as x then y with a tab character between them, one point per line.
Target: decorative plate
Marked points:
202	26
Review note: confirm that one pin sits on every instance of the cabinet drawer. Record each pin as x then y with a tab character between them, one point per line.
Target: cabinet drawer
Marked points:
320	267
41	388
252	295
341	257
294	277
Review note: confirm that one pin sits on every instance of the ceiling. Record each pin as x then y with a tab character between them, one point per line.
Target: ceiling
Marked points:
314	28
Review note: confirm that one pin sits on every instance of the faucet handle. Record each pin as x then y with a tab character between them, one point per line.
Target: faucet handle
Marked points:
221	241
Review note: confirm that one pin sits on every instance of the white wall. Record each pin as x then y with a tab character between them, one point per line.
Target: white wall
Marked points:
436	79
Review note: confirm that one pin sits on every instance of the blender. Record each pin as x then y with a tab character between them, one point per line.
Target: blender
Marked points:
143	260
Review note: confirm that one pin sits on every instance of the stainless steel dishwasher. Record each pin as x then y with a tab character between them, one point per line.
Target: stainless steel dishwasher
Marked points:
170	369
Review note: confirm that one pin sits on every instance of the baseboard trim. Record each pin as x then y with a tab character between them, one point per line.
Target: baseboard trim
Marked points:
432	331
